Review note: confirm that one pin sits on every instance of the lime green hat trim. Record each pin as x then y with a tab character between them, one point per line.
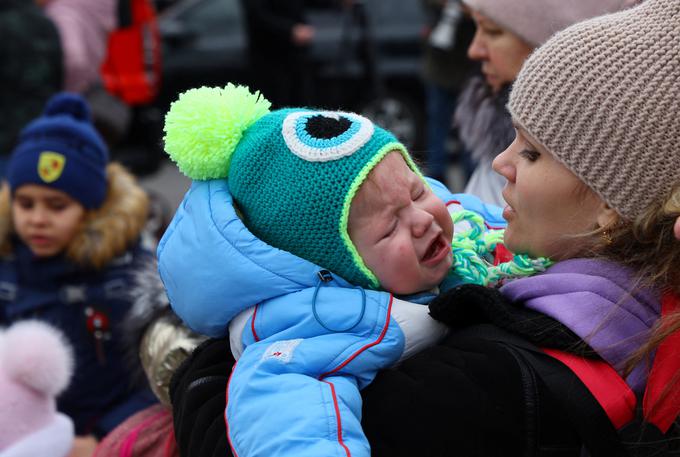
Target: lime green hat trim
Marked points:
354	188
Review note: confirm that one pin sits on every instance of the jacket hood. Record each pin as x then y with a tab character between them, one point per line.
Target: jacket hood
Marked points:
198	254
213	267
107	231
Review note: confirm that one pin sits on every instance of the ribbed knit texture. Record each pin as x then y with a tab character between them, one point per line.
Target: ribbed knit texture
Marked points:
604	97
65	132
302	205
537	20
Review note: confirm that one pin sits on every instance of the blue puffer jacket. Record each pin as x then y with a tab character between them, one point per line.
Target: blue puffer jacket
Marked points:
310	345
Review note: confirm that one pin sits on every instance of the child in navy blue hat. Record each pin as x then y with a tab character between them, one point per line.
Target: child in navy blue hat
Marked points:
71	227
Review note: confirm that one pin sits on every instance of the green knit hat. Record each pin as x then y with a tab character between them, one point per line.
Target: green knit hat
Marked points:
292	172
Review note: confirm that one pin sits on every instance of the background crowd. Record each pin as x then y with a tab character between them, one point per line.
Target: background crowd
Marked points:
112	373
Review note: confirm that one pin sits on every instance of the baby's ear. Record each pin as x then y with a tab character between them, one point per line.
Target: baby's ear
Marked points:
607	216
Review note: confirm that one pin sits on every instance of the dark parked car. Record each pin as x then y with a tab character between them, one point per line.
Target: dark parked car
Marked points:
365	58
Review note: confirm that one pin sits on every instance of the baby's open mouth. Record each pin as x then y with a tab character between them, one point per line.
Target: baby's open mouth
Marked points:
434	249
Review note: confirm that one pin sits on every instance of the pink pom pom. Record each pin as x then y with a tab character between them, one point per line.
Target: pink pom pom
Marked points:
36	354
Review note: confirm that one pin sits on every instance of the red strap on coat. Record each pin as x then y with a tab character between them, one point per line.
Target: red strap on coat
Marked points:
608	388
660	405
665	372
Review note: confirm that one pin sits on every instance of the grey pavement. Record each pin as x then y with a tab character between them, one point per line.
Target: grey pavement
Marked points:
167	182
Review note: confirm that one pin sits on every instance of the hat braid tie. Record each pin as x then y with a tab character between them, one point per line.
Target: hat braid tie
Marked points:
473	254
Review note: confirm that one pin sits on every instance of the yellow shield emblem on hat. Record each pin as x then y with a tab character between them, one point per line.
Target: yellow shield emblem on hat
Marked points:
50	166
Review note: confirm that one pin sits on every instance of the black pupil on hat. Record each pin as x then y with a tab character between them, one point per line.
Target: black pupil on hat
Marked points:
323	127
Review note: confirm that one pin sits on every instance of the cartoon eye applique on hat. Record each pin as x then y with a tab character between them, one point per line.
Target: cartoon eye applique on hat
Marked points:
322	136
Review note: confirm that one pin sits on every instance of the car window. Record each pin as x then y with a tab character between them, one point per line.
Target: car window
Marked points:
212	14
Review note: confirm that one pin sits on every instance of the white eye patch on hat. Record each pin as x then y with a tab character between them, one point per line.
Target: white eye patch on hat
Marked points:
322	136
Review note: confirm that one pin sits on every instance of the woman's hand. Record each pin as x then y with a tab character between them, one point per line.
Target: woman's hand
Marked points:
83	446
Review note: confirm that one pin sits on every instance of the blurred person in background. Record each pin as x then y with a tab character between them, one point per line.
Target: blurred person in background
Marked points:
279	38
36	365
31	69
158	342
71	234
506	33
84	27
445	69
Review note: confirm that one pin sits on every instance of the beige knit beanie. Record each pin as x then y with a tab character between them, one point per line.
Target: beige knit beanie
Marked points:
604	97
537	20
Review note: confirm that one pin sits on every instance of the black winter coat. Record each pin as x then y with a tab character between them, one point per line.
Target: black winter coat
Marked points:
467	396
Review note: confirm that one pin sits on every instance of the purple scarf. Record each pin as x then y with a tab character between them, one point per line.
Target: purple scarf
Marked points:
594	299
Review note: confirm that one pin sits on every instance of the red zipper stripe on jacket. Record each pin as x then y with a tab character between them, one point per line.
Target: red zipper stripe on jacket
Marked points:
338	420
226	403
252	323
369	345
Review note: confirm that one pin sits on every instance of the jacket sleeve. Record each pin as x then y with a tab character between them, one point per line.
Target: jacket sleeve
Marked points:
299	381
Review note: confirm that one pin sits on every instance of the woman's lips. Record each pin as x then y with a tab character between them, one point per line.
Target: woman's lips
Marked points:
508	213
436	252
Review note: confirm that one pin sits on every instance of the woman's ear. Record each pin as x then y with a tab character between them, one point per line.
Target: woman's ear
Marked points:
607	216
677	228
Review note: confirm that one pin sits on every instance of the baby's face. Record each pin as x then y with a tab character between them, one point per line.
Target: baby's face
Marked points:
401	230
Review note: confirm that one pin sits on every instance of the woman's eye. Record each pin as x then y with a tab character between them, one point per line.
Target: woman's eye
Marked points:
530	155
492	32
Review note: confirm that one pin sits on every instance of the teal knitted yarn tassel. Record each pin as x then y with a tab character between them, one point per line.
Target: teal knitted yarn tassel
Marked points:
473	255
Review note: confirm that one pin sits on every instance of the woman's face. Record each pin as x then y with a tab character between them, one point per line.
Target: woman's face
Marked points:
549	207
500	51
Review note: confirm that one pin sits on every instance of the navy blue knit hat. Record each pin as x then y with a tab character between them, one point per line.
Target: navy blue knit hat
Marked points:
61	149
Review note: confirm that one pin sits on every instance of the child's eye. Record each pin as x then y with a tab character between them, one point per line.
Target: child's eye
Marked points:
530	155
57	204
392	229
24	204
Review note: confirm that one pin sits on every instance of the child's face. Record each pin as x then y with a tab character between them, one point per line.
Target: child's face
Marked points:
401	230
45	219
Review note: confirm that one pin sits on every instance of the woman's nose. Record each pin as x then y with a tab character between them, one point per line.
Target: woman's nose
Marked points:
504	166
477	49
